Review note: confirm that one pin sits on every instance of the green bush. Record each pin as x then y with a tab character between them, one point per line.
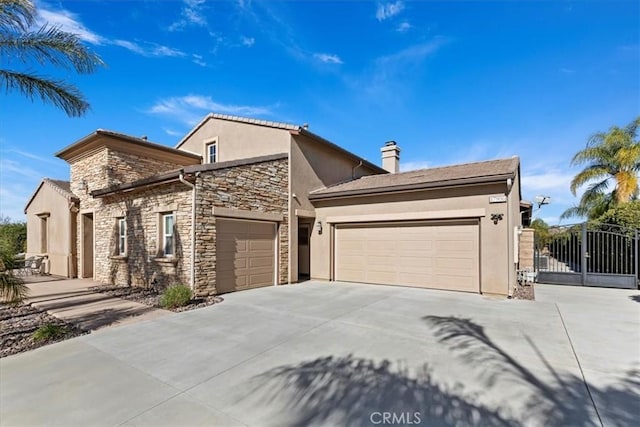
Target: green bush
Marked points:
49	331
13	240
175	296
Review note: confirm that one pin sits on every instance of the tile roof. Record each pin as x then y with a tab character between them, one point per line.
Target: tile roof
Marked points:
61	187
424	178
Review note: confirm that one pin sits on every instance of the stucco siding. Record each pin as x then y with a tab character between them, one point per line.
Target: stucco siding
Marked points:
50	209
495	259
315	165
237	140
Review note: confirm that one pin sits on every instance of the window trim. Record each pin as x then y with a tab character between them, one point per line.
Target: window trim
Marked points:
212	142
122	236
163	235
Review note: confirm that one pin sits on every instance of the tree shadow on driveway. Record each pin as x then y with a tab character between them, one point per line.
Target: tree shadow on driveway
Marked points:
347	390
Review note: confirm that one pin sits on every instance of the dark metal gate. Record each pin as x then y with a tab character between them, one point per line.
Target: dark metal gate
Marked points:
588	254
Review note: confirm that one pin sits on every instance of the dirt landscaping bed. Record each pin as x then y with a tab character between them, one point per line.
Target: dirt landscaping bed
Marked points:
151	297
524	292
19	323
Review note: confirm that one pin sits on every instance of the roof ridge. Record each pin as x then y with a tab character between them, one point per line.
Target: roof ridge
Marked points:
63	191
455	165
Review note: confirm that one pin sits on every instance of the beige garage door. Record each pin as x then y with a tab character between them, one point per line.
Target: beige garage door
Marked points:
427	255
245	254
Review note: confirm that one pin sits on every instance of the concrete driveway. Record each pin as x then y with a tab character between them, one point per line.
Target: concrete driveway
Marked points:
346	354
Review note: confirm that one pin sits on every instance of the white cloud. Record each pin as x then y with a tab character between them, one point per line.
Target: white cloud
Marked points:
327	58
198	60
191	108
388	10
191	15
414	165
248	41
172	132
150	50
404	27
567	71
68	22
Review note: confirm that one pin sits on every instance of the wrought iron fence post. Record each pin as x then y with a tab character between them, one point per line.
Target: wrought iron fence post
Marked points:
583	254
635	256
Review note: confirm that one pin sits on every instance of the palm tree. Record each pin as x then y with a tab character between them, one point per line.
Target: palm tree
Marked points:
47	45
608	156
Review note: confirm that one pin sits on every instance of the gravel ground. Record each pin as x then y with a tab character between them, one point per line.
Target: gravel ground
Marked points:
524	292
151	297
18	323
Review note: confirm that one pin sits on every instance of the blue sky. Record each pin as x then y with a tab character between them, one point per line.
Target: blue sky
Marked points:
450	81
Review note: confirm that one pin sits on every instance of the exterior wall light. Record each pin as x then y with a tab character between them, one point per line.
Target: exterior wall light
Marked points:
495	217
319	227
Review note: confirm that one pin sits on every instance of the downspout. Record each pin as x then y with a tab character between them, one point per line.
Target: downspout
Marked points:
192	279
353	170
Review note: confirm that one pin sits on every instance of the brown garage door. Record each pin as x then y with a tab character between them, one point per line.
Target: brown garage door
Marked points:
427	255
245	254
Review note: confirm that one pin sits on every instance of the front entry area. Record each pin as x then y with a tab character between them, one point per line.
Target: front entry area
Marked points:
87	245
439	255
246	254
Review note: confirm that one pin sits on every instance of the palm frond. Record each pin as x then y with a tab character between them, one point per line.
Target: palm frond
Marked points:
52	45
588	174
59	93
16	15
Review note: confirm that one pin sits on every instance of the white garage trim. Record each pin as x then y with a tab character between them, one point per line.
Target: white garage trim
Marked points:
426	254
244	214
409	216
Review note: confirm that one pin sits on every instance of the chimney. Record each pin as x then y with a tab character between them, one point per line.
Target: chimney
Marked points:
391	157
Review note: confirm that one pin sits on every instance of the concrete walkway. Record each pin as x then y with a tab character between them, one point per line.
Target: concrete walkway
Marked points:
345	354
72	301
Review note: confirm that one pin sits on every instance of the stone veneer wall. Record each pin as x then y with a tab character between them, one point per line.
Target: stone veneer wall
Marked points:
526	250
125	167
101	169
259	187
143	265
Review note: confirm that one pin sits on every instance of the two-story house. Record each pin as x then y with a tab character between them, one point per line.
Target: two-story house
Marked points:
242	203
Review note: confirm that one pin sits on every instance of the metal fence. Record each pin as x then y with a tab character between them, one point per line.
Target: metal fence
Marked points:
588	254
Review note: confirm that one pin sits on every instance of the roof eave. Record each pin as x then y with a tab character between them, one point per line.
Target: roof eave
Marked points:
75	149
412	187
324	141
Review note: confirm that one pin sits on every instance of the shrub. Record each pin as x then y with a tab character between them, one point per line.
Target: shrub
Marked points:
175	296
49	331
12	288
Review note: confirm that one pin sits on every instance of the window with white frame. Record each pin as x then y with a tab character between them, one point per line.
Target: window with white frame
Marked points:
122	236
212	152
168	238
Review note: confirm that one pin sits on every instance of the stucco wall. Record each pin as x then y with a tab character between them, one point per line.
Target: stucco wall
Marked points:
143	265
314	165
59	250
259	187
237	140
495	261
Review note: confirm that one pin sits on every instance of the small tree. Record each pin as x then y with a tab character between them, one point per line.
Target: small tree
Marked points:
626	215
611	157
13	239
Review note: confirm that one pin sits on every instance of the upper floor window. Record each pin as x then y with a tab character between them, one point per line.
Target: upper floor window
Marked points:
212	152
122	236
168	241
